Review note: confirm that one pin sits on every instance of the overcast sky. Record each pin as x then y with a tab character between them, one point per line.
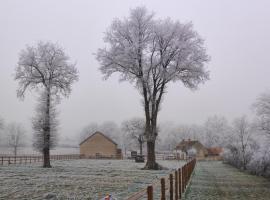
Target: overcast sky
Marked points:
236	33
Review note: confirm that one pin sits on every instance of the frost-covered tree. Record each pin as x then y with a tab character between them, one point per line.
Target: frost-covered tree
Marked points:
133	130
151	54
262	109
39	122
15	137
241	145
45	67
216	130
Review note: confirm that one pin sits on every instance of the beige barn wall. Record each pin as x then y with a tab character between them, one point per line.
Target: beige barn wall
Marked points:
98	144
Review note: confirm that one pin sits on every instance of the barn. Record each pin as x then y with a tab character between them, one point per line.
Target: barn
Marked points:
98	146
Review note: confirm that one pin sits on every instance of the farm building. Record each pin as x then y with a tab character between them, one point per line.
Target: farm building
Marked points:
214	153
196	149
192	147
99	145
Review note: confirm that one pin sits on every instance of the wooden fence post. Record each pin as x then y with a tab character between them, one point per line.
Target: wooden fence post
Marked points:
171	187
176	185
183	179
150	192
180	183
162	181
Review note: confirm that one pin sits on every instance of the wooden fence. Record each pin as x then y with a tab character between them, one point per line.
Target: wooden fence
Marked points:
24	159
173	186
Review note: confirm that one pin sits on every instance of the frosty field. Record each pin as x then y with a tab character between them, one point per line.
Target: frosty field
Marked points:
215	180
78	179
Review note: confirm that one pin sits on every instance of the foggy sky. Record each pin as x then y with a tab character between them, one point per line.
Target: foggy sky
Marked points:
236	36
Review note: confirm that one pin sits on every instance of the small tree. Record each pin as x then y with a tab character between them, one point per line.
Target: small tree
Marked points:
262	109
45	67
15	136
243	140
134	130
216	130
152	53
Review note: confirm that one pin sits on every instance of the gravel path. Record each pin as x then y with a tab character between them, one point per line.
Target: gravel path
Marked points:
215	180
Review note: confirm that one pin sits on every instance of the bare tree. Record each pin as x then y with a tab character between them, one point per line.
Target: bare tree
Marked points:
152	53
15	136
216	130
134	130
243	142
45	67
262	109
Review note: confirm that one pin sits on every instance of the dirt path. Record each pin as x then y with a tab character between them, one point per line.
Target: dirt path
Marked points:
218	181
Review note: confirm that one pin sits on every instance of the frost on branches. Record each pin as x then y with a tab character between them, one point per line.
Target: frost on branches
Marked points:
152	53
45	68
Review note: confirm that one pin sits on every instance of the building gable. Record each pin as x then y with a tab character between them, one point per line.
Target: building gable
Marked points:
95	134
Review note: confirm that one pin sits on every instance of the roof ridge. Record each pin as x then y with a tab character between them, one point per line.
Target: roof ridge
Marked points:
98	132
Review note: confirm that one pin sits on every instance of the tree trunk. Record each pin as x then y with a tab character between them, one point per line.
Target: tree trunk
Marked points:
151	156
47	130
46	158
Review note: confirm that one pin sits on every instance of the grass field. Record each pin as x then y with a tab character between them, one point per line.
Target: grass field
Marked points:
218	181
77	179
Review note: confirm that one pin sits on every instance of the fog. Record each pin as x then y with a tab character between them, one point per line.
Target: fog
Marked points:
236	37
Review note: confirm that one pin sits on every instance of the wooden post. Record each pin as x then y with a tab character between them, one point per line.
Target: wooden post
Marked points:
180	183
171	187
183	179
176	185
162	181
150	192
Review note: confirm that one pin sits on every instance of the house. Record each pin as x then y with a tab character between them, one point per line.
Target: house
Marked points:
99	145
193	148
214	153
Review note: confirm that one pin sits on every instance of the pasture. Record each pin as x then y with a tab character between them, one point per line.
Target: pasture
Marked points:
78	179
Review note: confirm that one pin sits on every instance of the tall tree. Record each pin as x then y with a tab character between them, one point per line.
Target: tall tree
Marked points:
45	67
134	130
15	136
152	53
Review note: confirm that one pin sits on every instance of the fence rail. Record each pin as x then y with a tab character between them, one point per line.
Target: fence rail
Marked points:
173	185
24	159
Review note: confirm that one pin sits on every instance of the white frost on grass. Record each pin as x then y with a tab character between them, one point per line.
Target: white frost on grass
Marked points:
78	179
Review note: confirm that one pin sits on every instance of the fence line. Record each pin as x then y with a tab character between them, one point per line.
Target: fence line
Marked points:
24	159
174	186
